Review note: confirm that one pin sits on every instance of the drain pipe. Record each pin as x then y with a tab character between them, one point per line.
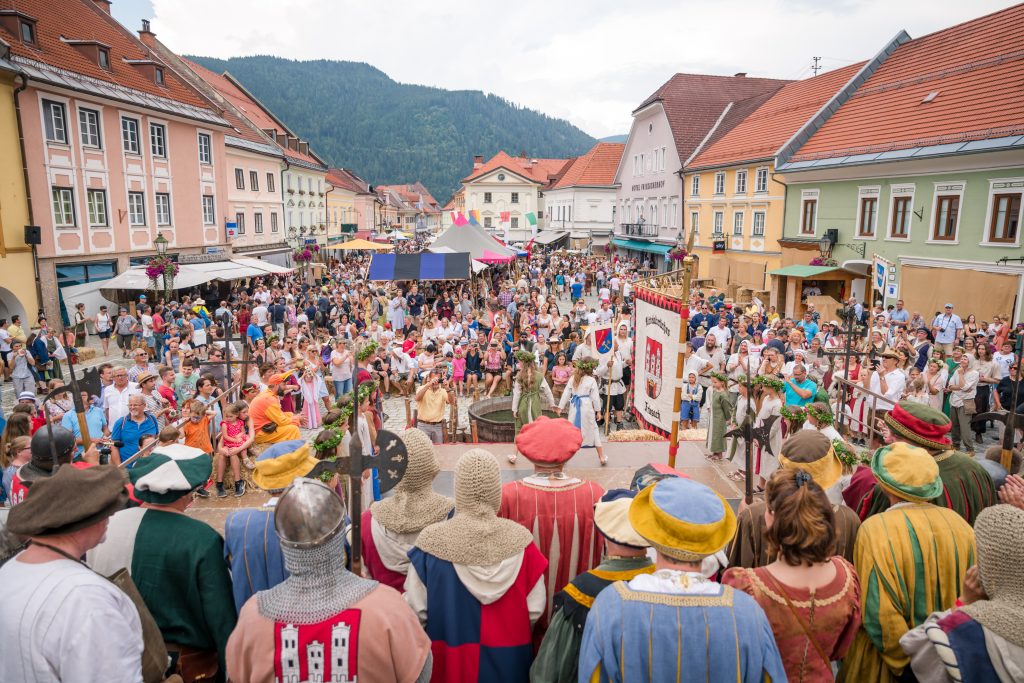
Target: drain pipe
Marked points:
24	171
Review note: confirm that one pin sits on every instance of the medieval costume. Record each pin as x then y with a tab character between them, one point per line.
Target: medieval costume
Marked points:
911	560
476	581
765	459
812	452
557	660
557	509
323	622
176	561
251	546
390	526
61	621
528	402
984	639
313	390
265	410
584	402
677	624
721	410
967	487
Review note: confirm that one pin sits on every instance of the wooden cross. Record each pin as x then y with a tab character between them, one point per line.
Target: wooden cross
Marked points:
225	322
851	329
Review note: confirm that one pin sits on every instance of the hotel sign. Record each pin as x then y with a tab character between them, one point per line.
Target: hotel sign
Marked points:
658	184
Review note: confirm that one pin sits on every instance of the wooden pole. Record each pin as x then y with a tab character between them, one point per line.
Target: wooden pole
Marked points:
689	265
1010	433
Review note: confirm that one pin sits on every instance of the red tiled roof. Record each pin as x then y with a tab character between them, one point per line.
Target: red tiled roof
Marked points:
537	170
82	20
595	168
761	133
411	194
347	180
975	67
252	109
694	102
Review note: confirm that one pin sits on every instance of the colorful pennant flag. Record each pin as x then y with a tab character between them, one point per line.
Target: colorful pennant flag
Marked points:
461	219
474	217
531	218
506	216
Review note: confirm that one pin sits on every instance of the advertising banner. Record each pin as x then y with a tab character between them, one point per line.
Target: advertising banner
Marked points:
657	355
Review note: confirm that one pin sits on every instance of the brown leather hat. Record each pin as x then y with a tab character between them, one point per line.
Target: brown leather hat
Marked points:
72	499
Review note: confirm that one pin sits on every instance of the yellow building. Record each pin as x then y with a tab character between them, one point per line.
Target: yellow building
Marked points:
18	282
734	200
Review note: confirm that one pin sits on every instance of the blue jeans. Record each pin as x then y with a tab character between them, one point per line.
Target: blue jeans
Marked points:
342	387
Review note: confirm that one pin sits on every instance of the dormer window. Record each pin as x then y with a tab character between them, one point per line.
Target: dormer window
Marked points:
28	32
103	57
159	76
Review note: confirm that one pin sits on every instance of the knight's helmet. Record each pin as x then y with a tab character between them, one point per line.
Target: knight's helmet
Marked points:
308	515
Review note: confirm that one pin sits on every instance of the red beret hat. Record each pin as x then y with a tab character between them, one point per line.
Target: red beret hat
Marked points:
547	441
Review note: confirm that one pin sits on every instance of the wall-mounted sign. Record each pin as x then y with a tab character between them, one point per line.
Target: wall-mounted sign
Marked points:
202	258
718	246
892	291
231	229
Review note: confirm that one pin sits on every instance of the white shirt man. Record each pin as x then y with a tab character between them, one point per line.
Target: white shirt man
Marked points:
115	400
1004	359
946	328
721	332
146	320
890	382
261	315
713	354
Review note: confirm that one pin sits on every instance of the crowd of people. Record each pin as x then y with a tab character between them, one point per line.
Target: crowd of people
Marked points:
897	563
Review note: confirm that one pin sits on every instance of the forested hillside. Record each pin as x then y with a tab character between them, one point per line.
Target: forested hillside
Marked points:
355	116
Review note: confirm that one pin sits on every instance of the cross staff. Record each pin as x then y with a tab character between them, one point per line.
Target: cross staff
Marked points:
851	329
225	323
391	462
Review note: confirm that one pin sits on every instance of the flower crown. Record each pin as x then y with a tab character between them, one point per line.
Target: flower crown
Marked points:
367	351
328	444
823	417
847	455
586	364
525	356
771	382
796	415
720	376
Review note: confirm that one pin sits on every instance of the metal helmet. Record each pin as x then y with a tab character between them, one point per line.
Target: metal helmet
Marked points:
308	514
63	445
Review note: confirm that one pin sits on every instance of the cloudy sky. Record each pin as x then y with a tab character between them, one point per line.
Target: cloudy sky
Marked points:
588	61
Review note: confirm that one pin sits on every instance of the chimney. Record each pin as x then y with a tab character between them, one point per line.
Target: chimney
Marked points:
103	5
147	36
303	146
741	74
478	161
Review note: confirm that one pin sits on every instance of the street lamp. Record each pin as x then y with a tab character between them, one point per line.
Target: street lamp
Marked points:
160	243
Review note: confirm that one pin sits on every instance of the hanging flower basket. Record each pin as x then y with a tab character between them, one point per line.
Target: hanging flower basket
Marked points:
161	267
821	261
303	256
677	254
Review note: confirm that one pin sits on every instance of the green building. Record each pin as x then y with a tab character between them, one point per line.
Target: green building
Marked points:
911	188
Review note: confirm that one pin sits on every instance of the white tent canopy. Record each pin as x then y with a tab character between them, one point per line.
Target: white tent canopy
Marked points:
477	266
192	275
472	239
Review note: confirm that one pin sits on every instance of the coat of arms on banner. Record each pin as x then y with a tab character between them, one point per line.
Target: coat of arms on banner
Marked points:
318	652
652	368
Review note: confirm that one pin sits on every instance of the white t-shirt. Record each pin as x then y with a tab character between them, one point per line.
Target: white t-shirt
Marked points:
5	340
605	293
115	401
147	325
896	382
102	322
1003	361
63	622
261	315
722	335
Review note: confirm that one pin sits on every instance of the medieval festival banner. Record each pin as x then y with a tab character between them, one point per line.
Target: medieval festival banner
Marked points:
658	351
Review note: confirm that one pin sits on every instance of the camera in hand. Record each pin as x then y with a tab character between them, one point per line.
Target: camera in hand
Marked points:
104	449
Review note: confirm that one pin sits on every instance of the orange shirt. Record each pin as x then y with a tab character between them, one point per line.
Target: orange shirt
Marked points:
197	434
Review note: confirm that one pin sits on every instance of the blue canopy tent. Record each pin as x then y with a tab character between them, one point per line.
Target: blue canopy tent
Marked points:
421	266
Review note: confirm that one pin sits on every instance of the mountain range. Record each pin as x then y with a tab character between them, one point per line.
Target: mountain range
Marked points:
355	116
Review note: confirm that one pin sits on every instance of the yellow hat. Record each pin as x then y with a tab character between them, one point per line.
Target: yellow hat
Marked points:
811	451
277	473
683	519
908	472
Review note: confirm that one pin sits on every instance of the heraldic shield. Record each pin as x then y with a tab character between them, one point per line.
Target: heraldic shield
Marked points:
652	368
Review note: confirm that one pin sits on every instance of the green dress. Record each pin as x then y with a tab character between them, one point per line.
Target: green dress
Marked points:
951	366
722	410
528	405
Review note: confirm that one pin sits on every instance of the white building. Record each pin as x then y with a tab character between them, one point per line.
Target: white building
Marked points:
583	200
511	187
668	128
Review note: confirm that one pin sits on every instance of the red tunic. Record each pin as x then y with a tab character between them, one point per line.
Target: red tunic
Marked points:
374	566
562	522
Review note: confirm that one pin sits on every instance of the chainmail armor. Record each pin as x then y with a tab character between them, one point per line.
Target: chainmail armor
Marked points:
318	588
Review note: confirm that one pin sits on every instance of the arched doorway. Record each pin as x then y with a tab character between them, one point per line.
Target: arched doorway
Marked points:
10	306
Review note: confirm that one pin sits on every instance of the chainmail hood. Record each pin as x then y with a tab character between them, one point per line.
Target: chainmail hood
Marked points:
318	586
414	504
999	533
475	535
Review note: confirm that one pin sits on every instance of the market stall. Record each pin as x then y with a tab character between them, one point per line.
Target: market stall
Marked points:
421	266
359	244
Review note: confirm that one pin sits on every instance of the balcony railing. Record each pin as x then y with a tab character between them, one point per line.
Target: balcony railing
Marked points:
638	230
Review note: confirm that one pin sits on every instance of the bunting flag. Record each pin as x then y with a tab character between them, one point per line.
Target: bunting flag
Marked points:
506	216
531	218
474	217
455	218
461	219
